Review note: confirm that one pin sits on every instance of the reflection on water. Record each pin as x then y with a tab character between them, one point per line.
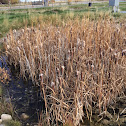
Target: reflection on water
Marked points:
24	96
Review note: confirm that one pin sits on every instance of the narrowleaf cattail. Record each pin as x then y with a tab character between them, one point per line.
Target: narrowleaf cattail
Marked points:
77	64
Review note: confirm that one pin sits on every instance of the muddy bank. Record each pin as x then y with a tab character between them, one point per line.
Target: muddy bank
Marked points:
23	95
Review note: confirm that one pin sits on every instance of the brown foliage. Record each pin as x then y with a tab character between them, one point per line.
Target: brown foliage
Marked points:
7	1
80	63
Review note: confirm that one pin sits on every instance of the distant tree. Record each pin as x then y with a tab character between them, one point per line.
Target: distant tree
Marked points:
7	1
14	1
4	1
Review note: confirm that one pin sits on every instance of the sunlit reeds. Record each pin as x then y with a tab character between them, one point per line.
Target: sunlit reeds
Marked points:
4	76
78	64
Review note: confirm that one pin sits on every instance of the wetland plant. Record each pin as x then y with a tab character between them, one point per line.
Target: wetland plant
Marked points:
80	65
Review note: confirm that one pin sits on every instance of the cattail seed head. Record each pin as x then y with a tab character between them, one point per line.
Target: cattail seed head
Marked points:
52	84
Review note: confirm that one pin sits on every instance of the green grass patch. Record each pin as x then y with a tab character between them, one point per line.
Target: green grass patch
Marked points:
13	123
15	19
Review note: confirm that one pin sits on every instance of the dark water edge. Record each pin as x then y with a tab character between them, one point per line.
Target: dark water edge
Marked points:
25	97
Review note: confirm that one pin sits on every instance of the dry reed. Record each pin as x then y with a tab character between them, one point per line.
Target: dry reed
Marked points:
78	64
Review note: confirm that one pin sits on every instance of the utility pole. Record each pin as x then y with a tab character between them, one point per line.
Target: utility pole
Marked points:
9	1
46	3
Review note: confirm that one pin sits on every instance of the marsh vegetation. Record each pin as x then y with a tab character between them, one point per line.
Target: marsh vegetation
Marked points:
78	61
78	64
15	19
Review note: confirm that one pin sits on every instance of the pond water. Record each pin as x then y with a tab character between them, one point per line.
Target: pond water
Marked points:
24	96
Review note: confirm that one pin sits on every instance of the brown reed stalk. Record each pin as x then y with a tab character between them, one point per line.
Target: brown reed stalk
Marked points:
82	62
